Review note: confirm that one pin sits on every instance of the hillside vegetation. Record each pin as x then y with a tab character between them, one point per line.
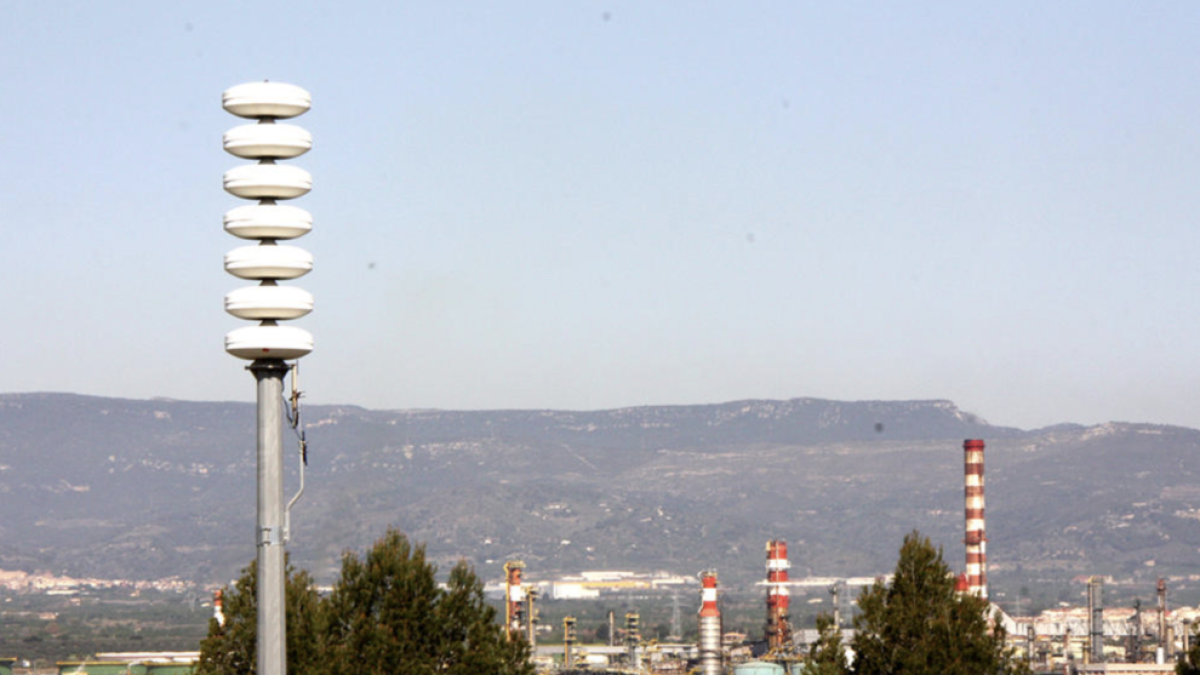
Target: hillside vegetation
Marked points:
147	489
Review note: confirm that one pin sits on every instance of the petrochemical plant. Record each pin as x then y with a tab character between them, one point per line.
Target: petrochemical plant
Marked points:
1091	639
1070	640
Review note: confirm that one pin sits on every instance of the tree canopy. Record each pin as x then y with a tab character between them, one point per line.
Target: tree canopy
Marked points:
230	649
919	625
828	654
386	614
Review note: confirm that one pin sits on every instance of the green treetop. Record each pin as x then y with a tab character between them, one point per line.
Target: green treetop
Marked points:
828	654
386	615
919	624
230	649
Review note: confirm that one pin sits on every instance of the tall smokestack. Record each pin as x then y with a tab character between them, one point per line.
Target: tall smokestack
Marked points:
1095	591
779	629
1162	614
710	626
976	540
612	628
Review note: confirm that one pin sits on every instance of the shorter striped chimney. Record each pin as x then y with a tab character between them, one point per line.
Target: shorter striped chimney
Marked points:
219	607
779	629
976	539
710	626
514	598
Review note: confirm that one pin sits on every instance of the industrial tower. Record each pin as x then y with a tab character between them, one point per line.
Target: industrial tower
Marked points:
710	626
778	629
976	539
514	597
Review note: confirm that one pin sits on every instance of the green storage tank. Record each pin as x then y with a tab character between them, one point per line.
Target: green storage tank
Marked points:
99	668
758	668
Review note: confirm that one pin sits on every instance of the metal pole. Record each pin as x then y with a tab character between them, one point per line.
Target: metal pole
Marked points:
268	344
272	653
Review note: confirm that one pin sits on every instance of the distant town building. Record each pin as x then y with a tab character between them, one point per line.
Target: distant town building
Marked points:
591	584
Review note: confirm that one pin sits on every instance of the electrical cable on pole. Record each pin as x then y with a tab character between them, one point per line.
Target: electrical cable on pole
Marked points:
269	345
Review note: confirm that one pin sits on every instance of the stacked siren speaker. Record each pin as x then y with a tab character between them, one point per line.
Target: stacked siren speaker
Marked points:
267	222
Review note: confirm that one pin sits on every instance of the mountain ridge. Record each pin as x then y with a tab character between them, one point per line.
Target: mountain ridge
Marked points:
661	487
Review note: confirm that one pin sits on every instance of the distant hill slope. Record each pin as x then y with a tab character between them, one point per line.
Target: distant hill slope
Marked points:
147	489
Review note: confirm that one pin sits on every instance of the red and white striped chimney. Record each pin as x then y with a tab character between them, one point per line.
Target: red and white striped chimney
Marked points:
779	629
514	599
710	626
219	607
976	540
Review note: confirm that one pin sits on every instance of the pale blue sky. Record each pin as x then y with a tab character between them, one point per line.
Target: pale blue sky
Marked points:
601	204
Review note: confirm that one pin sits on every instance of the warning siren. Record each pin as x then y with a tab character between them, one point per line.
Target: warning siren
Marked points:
267	221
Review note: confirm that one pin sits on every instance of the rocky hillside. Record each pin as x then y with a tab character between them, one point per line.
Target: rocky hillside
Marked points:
148	489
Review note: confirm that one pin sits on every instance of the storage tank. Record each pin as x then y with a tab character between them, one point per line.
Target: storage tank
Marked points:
758	668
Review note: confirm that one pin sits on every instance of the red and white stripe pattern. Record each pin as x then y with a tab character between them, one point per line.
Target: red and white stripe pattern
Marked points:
779	632
976	539
710	626
514	597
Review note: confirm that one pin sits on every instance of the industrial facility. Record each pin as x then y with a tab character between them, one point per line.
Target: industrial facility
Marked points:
1089	639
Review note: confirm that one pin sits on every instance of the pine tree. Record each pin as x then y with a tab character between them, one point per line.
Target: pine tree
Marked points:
472	641
230	649
381	611
919	625
828	654
387	616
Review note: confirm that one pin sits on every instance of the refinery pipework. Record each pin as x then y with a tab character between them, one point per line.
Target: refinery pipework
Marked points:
633	640
976	539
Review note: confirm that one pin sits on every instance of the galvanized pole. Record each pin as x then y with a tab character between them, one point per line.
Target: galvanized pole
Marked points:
272	653
268	345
